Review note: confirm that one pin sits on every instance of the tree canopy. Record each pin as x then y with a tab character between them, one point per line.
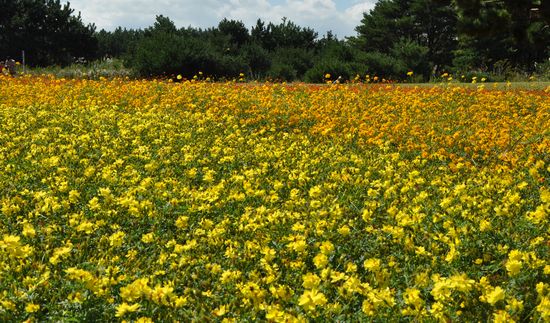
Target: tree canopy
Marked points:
49	32
429	37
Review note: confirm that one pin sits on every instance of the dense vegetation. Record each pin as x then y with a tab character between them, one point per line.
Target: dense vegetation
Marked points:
498	39
47	31
156	201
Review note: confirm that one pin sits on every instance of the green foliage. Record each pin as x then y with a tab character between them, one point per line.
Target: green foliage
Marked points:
235	30
164	50
504	39
506	29
299	59
48	32
282	72
336	58
382	64
411	55
107	68
543	69
465	59
257	59
420	34
336	68
284	35
118	43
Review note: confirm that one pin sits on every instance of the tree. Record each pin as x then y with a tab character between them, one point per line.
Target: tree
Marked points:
257	59
48	31
235	30
511	30
118	43
283	35
165	50
394	27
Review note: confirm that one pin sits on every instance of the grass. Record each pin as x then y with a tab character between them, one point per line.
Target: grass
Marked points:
488	85
108	68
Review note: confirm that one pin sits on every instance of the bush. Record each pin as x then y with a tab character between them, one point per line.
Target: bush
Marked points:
282	72
299	59
107	68
335	68
413	56
543	70
383	65
164	53
173	54
257	60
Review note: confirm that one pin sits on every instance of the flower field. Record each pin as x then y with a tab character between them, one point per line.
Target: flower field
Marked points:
156	201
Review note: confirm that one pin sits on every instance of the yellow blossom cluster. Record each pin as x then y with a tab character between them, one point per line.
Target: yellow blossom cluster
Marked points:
152	201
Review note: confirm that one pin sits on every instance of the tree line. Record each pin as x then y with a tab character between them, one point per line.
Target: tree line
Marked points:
428	37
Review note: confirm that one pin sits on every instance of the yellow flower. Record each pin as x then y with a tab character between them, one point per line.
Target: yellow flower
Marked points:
116	239
148	238
124	308
327	247
344	230
28	230
410	73
502	317
312	298
221	311
412	297
274	314
484	225
513	267
135	290
327	76
497	294
337	276
180	301
32	308
320	261
372	264
311	281
544	308
367	308
514	305
179	77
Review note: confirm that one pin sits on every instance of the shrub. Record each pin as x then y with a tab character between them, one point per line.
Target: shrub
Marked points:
335	68
282	72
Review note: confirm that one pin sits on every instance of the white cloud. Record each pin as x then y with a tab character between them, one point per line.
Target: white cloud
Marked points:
355	12
321	15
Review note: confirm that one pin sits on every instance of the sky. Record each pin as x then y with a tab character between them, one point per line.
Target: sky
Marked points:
341	17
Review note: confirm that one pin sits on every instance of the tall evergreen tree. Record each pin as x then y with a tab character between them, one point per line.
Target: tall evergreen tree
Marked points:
516	31
400	28
117	43
46	30
235	30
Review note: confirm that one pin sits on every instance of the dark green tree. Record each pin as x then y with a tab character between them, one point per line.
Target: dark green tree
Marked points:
397	28
257	59
165	50
515	31
235	30
283	35
46	30
117	43
261	34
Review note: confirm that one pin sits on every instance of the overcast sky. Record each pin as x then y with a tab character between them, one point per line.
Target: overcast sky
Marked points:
322	15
